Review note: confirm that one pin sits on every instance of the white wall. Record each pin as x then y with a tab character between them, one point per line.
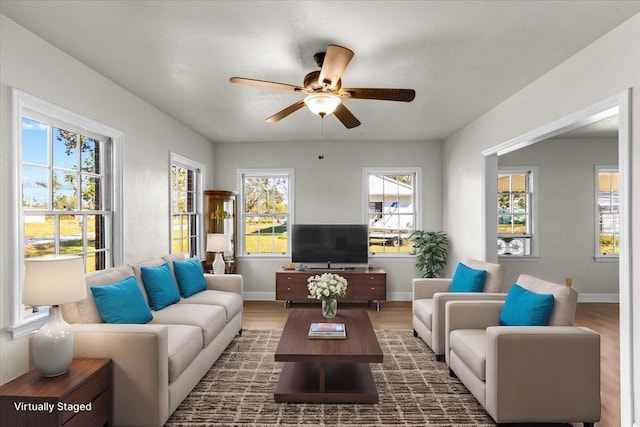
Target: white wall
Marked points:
36	67
331	191
607	67
566	225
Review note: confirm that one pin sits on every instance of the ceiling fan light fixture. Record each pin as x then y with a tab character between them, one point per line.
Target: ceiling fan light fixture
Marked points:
322	104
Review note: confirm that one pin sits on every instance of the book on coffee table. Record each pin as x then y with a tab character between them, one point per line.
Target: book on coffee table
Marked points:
327	331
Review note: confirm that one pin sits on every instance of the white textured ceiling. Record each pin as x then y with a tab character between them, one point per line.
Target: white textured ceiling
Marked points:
461	57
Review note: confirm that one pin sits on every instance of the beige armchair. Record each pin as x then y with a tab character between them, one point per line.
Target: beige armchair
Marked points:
431	295
526	374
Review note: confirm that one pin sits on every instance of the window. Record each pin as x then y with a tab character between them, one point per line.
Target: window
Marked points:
186	207
266	211
516	211
392	208
607	202
65	200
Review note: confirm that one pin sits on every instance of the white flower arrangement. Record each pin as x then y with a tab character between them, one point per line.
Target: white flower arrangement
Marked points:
327	287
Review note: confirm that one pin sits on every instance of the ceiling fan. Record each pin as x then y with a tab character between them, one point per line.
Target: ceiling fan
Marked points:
324	91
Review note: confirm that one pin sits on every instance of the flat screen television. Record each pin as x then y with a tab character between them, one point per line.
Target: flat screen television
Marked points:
330	243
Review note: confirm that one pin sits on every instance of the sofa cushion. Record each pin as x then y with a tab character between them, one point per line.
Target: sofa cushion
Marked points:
160	285
467	279
122	302
189	276
231	301
184	344
85	311
469	346
423	310
211	319
526	308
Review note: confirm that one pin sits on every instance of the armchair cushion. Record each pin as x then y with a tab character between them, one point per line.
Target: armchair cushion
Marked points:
467	279
423	310
122	302
526	308
160	286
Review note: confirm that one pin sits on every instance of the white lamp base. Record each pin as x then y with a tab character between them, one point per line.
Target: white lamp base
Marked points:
53	345
218	264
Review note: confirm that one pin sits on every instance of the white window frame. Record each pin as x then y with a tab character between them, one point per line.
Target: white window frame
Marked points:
23	104
200	170
417	199
534	237
240	174
597	255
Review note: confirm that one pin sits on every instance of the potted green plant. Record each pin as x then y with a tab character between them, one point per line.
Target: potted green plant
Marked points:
430	248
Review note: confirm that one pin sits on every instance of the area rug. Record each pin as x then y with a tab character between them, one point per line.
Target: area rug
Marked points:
413	389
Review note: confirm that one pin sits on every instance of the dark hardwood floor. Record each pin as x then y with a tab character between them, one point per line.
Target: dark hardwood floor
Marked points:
601	317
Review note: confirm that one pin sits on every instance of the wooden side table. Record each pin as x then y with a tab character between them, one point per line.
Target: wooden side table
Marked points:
80	397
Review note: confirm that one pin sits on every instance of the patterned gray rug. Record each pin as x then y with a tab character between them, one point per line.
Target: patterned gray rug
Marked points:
413	388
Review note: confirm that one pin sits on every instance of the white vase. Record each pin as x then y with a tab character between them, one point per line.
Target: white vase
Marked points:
329	308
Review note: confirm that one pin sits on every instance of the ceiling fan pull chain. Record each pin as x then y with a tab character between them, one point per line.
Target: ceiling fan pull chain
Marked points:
320	155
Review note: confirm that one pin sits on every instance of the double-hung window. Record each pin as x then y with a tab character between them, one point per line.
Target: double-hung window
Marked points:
186	207
516	211
607	215
392	208
266	211
66	201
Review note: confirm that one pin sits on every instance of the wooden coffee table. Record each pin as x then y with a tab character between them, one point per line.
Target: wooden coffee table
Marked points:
323	370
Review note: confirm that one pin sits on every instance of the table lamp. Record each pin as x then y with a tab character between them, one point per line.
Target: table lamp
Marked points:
53	281
218	243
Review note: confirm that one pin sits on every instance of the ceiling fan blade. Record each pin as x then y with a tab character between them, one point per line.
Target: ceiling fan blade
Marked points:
284	113
347	118
266	84
406	95
335	62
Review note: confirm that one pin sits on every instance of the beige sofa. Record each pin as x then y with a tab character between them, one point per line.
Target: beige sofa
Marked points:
431	295
157	364
526	374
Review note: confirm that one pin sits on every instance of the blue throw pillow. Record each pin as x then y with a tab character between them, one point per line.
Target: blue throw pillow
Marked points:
467	279
160	286
190	277
526	308
122	302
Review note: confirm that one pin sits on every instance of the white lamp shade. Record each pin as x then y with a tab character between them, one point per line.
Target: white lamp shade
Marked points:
322	104
217	242
54	280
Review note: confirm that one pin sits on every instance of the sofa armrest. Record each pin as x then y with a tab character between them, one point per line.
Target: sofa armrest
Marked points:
140	368
469	315
440	299
543	370
476	314
425	288
224	282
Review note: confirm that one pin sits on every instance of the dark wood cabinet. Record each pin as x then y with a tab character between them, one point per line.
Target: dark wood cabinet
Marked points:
79	397
362	284
220	216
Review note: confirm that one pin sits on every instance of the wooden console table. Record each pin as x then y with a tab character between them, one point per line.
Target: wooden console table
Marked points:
79	397
363	284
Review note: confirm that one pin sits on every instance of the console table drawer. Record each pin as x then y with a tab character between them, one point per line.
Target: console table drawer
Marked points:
368	292
291	291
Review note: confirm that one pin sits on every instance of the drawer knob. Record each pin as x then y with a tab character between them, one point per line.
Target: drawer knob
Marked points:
372	278
373	289
288	289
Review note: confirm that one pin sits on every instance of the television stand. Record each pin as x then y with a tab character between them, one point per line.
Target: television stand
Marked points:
363	285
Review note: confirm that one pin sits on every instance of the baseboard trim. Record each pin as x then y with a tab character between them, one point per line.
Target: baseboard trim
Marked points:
259	296
613	298
407	296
